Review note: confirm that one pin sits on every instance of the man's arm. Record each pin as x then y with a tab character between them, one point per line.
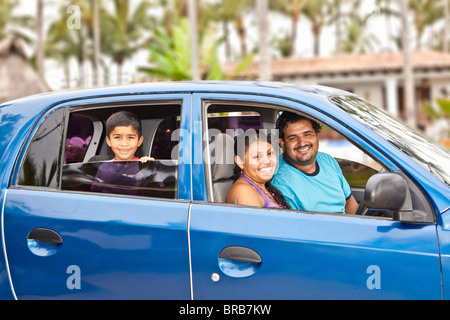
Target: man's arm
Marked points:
351	205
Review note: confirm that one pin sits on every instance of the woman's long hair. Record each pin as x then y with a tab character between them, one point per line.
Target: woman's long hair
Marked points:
241	144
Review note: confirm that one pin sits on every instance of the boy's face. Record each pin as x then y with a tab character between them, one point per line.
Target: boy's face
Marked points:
124	142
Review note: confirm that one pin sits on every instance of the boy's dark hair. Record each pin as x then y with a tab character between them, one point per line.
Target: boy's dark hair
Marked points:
123	119
289	117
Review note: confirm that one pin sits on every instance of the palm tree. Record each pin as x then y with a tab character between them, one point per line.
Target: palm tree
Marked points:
337	16
446	26
426	12
407	66
62	44
97	41
317	13
170	55
385	7
40	47
294	9
265	67
357	40
227	12
124	32
12	24
193	28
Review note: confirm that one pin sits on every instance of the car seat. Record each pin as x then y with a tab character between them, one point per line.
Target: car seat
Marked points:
221	150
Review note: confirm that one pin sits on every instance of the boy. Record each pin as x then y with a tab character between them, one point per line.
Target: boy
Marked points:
124	137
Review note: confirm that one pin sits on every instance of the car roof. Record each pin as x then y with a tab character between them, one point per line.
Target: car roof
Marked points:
289	90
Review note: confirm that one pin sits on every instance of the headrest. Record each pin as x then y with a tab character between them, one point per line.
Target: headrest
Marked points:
221	149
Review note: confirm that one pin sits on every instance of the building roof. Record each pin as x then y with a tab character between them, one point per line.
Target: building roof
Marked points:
347	64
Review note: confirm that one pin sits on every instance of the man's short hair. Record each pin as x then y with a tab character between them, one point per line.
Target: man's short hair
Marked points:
290	117
123	119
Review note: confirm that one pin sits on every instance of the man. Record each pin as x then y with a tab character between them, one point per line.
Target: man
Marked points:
308	179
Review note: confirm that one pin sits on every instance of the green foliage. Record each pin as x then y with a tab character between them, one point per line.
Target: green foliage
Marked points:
170	55
442	112
12	24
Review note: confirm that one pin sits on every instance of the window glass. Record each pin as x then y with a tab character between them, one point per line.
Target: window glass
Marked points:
429	154
163	144
224	122
356	165
41	165
78	137
152	179
233	121
100	173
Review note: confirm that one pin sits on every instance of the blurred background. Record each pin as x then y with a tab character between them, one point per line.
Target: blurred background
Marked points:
393	53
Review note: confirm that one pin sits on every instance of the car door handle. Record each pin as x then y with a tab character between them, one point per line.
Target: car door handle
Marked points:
239	262
45	235
241	254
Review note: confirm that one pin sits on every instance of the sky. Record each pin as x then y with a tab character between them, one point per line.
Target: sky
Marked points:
278	25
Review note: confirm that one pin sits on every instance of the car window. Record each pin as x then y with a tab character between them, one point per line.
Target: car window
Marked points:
41	165
234	121
87	160
226	121
356	165
79	135
429	154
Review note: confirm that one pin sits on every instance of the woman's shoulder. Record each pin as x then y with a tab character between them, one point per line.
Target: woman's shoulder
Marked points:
241	185
242	192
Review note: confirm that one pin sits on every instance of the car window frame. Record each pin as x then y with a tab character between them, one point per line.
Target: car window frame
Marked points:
121	101
19	162
284	104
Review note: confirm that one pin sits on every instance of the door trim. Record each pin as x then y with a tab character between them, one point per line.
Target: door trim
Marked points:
4	247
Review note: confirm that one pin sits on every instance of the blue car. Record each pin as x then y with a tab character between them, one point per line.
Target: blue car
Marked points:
171	235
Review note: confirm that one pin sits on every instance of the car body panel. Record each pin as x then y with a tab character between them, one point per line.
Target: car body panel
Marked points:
138	255
307	256
174	252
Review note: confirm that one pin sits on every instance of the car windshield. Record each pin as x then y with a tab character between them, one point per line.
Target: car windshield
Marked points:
431	155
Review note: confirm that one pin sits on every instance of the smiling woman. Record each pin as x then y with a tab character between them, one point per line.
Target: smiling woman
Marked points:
255	163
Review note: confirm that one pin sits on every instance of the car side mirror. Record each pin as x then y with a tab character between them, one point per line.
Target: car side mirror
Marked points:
389	191
386	191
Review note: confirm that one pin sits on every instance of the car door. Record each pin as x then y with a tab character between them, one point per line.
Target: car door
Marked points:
65	243
240	252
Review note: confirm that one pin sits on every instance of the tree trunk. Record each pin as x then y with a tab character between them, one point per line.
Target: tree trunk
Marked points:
446	25
40	50
84	36
96	28
265	68
316	35
192	11
292	46
240	29
338	29
408	69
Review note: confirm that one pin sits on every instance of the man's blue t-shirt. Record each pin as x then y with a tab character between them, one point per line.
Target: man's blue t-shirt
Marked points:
325	190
